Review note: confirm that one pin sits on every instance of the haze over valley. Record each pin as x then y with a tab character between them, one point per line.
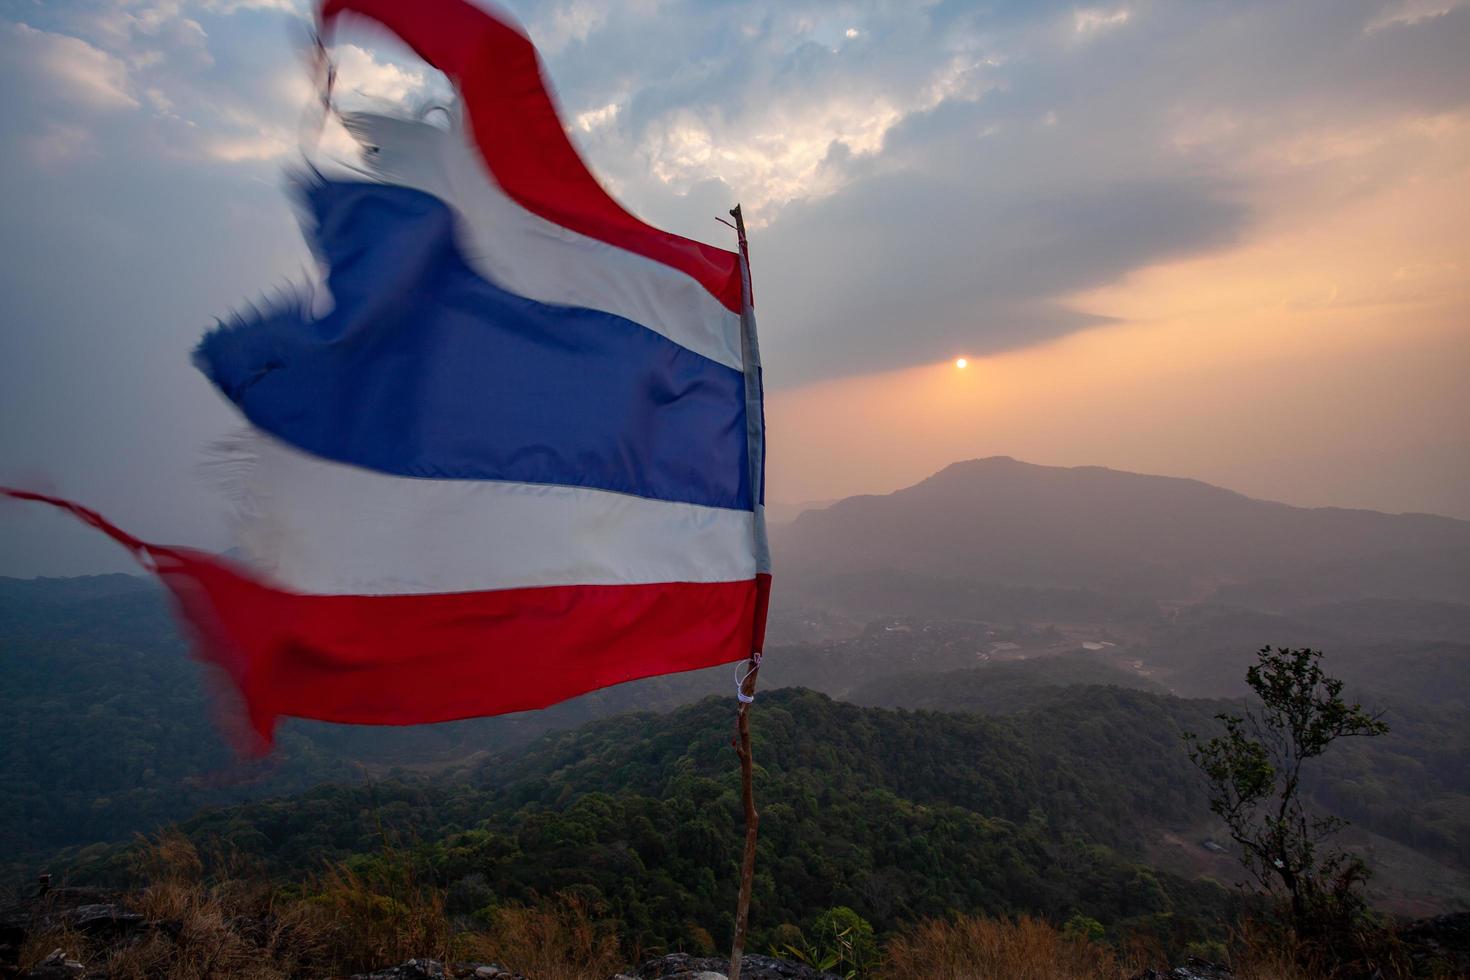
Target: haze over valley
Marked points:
1081	618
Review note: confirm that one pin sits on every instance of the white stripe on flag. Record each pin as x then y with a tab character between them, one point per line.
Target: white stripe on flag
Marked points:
321	527
526	254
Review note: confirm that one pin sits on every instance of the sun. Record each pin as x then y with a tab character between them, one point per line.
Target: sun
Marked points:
961	363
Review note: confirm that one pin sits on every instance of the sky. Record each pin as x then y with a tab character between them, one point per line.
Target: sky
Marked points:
1228	241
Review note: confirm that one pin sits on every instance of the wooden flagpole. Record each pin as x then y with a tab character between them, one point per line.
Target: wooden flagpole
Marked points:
752	818
746	694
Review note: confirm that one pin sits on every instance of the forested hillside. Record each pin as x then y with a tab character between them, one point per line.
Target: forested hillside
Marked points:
1049	803
896	814
107	728
1411	786
105	731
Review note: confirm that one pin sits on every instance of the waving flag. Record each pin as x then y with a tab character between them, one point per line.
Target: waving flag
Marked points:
519	458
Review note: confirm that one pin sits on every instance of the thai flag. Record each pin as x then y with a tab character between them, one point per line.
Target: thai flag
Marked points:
518	459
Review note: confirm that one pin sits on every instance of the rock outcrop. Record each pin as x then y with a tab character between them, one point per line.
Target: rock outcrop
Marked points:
435	970
682	966
105	921
1441	943
93	913
1195	969
674	966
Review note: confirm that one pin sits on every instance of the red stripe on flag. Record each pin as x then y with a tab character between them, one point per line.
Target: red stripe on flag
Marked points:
521	137
412	659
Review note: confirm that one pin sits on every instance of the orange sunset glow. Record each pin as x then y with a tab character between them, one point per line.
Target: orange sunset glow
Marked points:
1319	360
1227	243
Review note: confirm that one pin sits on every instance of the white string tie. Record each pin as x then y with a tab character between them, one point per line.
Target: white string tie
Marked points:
742	675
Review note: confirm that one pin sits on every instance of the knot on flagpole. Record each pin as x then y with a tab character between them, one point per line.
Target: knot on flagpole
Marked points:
742	675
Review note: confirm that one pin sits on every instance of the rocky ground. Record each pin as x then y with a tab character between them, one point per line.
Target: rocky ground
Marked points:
682	966
675	966
99	916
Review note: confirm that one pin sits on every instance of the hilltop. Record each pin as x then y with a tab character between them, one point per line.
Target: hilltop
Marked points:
1002	522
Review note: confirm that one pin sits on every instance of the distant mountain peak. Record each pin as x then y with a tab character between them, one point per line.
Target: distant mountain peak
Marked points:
1009	464
1001	520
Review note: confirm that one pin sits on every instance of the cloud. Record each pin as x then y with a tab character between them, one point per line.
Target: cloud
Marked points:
974	274
72	68
151	34
236	6
250	148
1092	20
570	23
594	118
769	96
60	143
241	98
924	180
361	74
1410	12
921	179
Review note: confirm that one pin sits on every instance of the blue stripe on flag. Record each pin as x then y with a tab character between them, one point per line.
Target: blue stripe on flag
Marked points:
423	368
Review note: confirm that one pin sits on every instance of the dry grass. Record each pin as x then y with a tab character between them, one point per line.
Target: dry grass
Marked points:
966	948
558	939
382	912
40	944
195	929
367	921
347	920
225	928
1267	952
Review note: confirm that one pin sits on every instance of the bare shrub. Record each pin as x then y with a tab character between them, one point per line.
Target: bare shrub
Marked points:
969	948
200	928
555	939
1268	950
381	914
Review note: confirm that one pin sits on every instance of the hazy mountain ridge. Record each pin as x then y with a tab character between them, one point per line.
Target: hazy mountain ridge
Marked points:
71	589
1004	521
